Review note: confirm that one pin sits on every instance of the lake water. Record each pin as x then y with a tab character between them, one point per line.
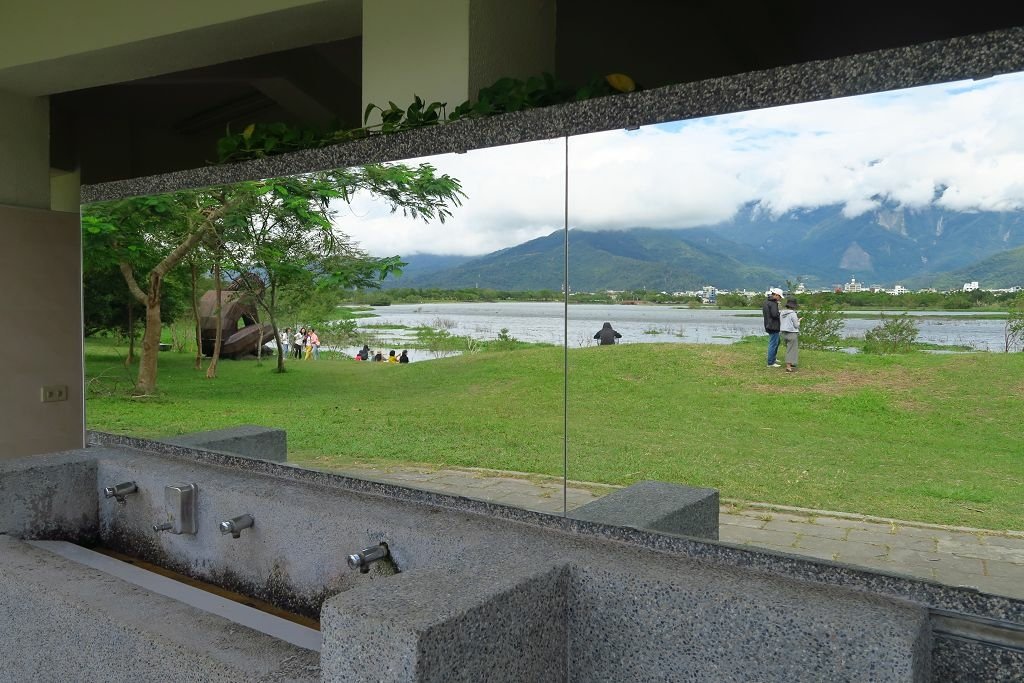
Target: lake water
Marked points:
542	322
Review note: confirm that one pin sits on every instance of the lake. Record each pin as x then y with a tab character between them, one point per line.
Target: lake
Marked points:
542	322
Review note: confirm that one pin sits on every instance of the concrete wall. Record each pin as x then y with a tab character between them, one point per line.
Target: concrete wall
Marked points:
24	150
41	313
510	39
415	48
67	45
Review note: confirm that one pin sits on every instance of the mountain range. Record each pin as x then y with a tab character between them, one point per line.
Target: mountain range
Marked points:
822	246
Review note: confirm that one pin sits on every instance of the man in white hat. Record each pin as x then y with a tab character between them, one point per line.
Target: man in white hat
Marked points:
771	324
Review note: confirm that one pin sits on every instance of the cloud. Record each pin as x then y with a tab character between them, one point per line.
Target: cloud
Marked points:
958	146
513	194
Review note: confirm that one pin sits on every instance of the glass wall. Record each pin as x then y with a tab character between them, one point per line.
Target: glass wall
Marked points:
592	313
882	433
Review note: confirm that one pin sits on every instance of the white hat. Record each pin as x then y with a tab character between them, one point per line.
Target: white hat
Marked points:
776	291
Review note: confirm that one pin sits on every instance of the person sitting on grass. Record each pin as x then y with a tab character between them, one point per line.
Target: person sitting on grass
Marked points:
606	335
404	358
378	357
364	353
392	358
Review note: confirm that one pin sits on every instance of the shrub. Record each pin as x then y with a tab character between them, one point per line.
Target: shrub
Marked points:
820	327
893	335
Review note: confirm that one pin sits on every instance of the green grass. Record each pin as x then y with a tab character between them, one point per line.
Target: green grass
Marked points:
916	436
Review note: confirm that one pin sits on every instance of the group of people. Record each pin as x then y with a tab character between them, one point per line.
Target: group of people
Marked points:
784	323
365	354
304	343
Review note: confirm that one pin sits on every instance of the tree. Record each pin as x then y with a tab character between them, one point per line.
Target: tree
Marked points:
153	235
160	230
1013	331
287	231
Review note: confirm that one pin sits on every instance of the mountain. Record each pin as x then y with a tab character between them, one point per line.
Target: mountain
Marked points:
667	260
422	265
887	245
1002	270
752	250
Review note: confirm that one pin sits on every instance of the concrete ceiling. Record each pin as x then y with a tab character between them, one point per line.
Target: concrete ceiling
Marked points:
43	54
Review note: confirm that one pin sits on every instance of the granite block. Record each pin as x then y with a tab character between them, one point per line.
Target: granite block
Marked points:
657	506
49	497
643	626
482	624
250	441
960	660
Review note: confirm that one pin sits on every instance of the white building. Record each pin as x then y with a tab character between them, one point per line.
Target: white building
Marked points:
899	289
970	286
853	286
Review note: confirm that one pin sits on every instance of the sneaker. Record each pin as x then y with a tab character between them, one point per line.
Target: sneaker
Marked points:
775	365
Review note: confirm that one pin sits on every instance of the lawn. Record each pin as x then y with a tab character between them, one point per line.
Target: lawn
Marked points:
926	437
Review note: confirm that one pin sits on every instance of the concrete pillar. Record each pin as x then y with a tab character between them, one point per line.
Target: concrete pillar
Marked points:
41	308
447	50
24	150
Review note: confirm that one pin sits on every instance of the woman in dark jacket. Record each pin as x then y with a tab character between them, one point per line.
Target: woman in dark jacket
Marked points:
607	335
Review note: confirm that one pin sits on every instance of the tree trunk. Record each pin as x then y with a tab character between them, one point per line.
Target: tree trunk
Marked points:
146	383
211	369
195	315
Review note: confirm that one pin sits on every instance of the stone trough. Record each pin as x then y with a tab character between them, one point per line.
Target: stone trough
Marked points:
471	591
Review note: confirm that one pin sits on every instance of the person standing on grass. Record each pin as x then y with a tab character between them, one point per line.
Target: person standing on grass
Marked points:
790	327
300	337
770	310
314	342
286	340
606	335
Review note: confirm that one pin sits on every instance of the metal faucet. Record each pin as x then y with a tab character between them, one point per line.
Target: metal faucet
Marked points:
235	526
364	558
120	491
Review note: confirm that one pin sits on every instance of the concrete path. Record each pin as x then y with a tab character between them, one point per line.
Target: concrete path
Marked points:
991	561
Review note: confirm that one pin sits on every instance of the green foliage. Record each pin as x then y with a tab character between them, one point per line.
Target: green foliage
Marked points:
893	335
1013	331
820	327
505	95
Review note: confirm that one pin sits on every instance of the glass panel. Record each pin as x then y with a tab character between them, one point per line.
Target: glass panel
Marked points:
473	303
894	223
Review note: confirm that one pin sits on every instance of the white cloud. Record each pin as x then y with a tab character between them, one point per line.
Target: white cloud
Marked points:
957	145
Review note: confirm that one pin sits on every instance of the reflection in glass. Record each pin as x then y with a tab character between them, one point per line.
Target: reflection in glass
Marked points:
426	261
905	201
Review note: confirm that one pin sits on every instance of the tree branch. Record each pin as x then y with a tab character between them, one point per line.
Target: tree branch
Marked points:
133	286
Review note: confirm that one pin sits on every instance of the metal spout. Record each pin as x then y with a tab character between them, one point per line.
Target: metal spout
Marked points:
235	526
120	491
166	526
364	558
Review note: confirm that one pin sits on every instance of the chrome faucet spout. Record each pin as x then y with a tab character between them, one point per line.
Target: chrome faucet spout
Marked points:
235	525
364	558
121	490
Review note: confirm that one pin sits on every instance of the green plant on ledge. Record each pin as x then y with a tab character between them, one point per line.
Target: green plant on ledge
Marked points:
260	140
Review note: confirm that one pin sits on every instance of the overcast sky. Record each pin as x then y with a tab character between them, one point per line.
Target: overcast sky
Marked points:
959	146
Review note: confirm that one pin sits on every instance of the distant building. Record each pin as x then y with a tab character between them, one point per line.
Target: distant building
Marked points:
853	285
970	286
799	289
899	289
708	294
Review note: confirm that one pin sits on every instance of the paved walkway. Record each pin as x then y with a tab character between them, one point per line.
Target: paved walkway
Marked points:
989	560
